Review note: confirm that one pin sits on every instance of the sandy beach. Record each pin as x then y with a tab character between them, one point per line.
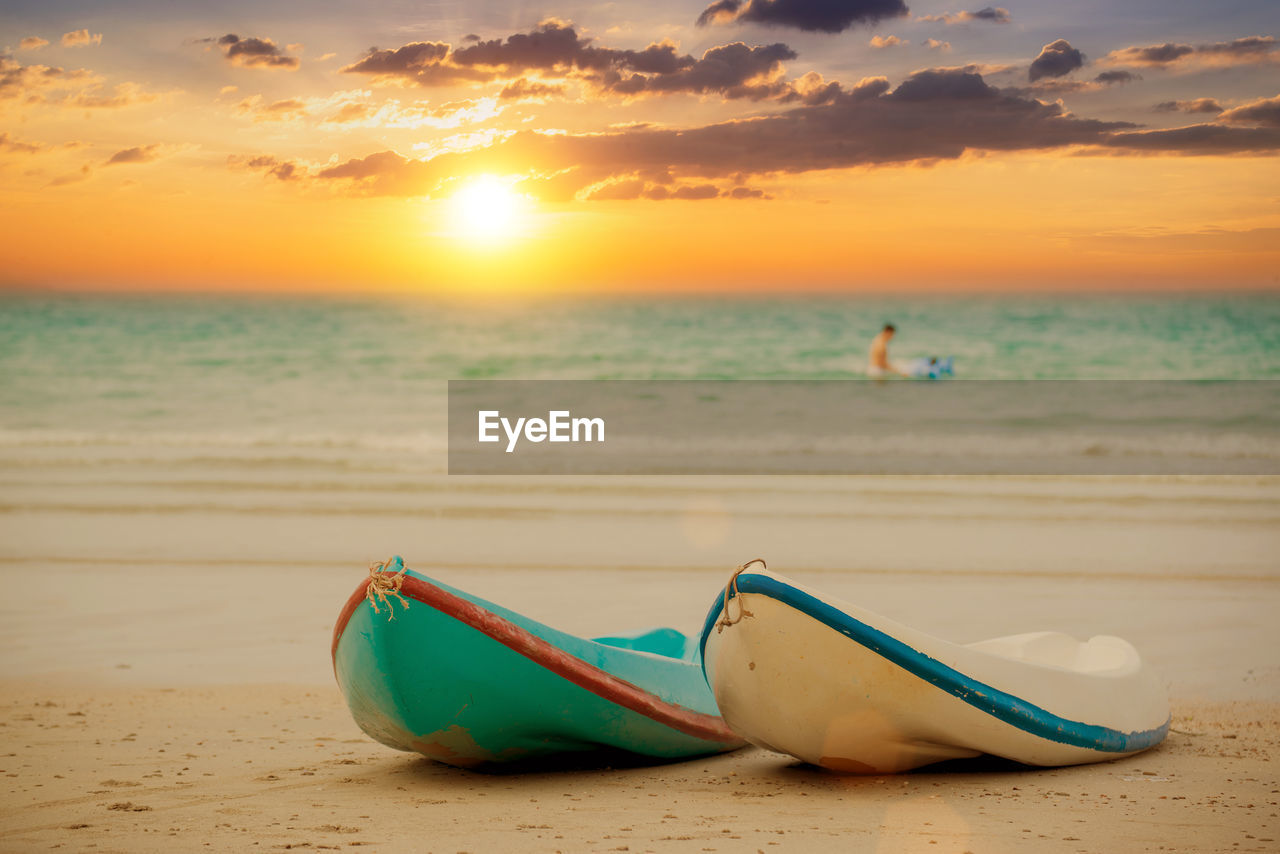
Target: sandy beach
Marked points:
926	324
167	684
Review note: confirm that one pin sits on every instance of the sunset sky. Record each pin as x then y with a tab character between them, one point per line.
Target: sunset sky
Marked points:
668	146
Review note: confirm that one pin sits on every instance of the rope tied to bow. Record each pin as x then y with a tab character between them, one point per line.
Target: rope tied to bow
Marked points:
383	585
733	585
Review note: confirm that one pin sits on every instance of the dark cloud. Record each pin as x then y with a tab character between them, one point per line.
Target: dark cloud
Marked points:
552	48
556	46
734	70
1056	59
137	154
1242	51
1265	112
987	14
1116	77
405	61
827	16
556	49
530	90
996	15
1249	48
693	193
254	52
284	170
1154	54
935	114
1196	105
1064	87
1198	140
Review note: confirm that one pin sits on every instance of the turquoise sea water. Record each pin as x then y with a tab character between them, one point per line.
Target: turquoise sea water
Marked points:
369	372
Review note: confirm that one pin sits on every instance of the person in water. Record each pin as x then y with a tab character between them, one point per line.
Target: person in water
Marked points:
879	364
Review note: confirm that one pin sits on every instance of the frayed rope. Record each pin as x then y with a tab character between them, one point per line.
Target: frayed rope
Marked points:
733	585
383	585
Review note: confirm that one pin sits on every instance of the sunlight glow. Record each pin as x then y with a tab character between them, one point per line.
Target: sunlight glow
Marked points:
486	208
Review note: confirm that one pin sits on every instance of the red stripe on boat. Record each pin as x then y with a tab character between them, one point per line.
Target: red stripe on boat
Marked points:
549	656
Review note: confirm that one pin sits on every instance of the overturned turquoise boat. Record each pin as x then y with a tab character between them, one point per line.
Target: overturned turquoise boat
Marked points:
428	668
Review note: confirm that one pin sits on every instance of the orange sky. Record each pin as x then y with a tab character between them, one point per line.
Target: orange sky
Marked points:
196	170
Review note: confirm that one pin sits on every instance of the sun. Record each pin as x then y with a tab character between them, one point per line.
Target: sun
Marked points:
487	208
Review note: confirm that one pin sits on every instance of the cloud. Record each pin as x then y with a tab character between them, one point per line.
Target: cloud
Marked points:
530	90
1104	80
137	154
881	42
32	43
417	62
732	70
1264	111
987	14
82	174
282	170
1199	140
1249	50
254	52
393	114
555	49
12	145
1197	105
81	38
123	95
1117	76
277	111
143	154
638	188
356	108
933	115
935	44
827	16
1056	59
28	83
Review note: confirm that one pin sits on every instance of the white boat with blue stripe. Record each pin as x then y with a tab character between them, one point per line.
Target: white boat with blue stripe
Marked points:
837	686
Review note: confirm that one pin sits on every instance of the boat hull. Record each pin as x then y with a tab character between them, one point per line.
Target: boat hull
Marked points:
840	687
469	683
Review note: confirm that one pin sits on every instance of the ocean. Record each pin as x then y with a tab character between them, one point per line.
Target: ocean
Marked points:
357	379
219	472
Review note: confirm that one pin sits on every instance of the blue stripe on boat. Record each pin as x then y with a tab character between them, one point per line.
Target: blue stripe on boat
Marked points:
1014	711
